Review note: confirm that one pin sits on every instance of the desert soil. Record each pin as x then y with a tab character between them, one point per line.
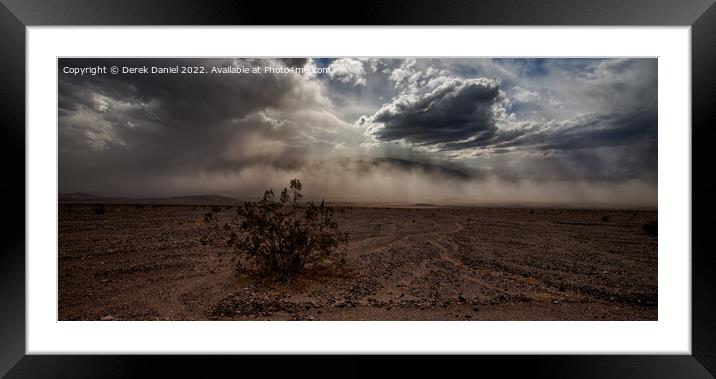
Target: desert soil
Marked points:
168	262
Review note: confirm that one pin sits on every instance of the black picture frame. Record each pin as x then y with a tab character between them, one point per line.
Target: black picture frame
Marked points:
16	15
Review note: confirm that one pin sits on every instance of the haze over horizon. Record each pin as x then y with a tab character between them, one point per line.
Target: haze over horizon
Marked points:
434	130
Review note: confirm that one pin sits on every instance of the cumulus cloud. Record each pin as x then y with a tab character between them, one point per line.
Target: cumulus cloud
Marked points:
348	70
523	95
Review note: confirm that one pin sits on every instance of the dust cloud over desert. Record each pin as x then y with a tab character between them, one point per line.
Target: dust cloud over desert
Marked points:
570	132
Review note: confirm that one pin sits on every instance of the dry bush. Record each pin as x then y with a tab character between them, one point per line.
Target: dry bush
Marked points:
281	237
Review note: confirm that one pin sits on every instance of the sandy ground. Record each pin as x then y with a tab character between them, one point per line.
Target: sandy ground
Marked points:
426	263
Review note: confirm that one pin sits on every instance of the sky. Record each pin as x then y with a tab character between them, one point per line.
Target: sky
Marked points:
562	131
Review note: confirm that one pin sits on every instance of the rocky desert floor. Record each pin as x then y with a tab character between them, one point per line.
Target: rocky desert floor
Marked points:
164	262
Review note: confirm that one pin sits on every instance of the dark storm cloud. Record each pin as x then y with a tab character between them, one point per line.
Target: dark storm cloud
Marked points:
584	132
454	111
611	134
293	62
143	125
464	114
372	128
594	147
602	130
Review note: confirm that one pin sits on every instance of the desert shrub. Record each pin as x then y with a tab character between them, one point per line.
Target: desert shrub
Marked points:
650	228
282	236
99	209
605	218
215	209
208	216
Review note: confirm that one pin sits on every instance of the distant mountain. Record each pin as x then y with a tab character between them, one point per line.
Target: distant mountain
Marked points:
195	199
80	197
76	196
427	168
84	198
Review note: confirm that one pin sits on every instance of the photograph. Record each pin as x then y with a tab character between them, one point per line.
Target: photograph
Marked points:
199	185
357	188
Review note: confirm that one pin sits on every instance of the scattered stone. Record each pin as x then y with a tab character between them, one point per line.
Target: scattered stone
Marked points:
299	317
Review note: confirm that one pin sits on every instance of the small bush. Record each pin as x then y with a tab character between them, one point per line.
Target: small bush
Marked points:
650	228
98	209
215	209
605	218
281	236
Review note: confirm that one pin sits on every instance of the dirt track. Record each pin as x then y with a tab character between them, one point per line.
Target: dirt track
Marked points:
169	263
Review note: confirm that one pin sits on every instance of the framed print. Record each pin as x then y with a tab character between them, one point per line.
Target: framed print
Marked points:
422	179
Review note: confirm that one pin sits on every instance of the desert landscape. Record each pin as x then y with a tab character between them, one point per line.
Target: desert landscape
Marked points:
358	188
409	262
